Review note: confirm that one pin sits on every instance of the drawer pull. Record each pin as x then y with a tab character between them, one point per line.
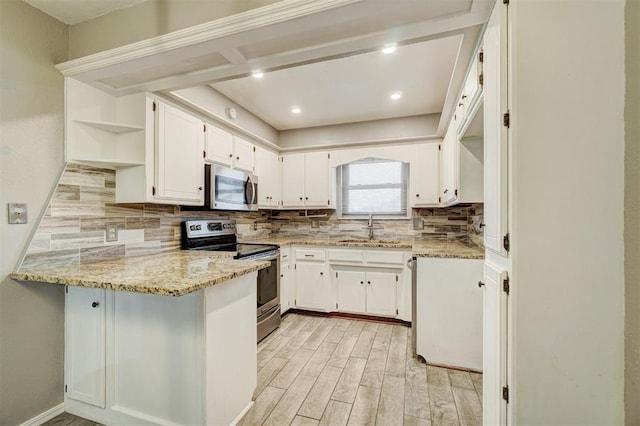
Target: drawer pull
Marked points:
309	255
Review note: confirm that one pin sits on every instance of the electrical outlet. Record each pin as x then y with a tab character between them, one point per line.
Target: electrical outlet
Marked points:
17	213
315	223
255	225
111	232
418	223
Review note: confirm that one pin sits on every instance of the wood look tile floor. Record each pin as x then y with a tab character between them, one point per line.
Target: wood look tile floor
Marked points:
335	371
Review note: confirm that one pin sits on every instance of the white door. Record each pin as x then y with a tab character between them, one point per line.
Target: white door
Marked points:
311	288
293	173
495	132
381	293
219	145
179	148
243	154
494	342
85	345
287	292
351	291
317	180
425	177
269	183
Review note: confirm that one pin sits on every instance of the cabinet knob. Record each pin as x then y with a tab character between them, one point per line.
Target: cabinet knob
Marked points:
321	273
300	198
418	195
237	158
445	191
230	155
95	304
199	188
369	282
361	282
306	198
480	284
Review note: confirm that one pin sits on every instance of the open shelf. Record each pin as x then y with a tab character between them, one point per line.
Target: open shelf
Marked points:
108	164
116	128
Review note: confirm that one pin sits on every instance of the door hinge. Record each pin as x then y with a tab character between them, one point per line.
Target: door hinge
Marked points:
396	312
295	301
439	147
336	306
506	120
295	266
328	155
336	275
455	192
505	1
153	190
439	199
204	154
481	57
328	202
481	79
153	105
396	277
66	289
505	285
204	128
254	149
505	393
506	243
65	388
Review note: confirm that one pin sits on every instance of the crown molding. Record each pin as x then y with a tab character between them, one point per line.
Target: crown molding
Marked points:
281	11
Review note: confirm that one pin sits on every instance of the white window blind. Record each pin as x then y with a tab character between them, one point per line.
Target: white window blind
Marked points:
373	185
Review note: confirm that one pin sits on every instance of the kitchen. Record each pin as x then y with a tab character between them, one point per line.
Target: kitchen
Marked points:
520	375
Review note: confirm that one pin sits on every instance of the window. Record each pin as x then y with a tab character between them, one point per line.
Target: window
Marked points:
373	185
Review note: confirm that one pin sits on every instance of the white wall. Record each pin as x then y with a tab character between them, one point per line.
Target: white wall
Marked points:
632	215
415	127
567	153
149	19
31	131
212	103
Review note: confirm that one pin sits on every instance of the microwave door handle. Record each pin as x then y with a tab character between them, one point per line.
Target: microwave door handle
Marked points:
248	191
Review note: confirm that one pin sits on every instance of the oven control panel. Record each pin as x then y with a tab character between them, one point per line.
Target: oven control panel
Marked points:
209	228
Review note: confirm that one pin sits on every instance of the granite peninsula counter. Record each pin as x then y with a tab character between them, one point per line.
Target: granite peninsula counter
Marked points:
169	274
135	356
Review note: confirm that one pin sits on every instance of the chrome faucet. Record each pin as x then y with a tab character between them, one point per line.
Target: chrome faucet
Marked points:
370	226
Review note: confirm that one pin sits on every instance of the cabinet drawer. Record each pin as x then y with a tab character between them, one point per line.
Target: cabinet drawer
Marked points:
351	256
310	254
385	257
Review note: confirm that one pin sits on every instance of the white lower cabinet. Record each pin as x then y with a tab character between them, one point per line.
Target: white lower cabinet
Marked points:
143	359
312	285
287	287
367	292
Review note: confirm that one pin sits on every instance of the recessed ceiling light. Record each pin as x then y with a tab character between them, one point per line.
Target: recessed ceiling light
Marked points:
258	74
396	95
295	110
389	48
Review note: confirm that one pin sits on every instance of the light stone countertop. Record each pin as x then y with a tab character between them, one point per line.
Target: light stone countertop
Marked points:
169	274
419	247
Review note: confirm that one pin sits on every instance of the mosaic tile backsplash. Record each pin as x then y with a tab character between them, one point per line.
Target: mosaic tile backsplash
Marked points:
72	229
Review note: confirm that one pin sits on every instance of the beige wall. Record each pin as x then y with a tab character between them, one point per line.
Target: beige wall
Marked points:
149	19
632	214
31	137
567	147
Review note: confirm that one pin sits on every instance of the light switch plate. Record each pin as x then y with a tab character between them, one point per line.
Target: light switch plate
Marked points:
18	213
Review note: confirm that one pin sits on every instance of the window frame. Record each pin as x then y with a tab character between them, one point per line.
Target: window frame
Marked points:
342	190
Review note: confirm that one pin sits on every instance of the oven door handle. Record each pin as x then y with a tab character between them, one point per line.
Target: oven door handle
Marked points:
249	195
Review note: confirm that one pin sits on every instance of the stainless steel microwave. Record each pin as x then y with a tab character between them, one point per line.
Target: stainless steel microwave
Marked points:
230	189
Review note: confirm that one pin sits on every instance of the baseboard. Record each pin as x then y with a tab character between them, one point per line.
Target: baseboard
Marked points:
242	413
46	416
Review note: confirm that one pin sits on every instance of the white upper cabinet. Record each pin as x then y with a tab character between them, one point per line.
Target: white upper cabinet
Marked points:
229	150
424	178
269	178
306	180
219	145
496	121
243	154
179	148
449	166
470	101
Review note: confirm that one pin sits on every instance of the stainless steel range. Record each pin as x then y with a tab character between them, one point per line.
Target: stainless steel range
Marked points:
220	235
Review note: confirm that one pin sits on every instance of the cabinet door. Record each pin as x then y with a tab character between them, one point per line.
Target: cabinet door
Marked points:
351	291
425	177
495	133
269	183
494	343
448	165
287	292
243	154
219	145
85	345
317	180
179	162
293	172
381	293
311	285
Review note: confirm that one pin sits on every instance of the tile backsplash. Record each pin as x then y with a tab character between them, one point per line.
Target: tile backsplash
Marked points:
72	230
